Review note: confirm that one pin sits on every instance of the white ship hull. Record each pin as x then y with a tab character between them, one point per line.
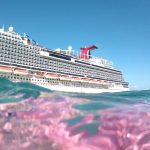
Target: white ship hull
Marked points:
56	85
83	90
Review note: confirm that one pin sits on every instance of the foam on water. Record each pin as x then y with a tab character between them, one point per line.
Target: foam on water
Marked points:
32	118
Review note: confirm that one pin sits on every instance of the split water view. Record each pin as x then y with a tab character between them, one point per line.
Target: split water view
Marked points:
74	75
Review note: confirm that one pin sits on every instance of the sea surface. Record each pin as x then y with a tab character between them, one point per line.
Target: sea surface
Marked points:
35	118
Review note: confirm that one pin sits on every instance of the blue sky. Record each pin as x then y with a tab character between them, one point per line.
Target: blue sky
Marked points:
120	28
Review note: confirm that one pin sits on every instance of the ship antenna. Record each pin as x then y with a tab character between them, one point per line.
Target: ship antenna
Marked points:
3	27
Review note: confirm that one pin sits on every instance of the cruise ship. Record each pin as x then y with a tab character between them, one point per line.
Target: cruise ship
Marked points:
24	60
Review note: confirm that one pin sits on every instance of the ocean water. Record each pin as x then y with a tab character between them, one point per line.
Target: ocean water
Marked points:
35	118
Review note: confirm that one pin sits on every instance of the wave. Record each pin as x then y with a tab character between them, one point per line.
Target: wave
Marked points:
9	89
13	92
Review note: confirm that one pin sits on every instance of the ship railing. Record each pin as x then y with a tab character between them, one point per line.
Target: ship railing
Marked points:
89	58
93	60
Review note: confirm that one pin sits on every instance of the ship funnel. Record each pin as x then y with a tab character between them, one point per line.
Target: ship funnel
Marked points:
85	52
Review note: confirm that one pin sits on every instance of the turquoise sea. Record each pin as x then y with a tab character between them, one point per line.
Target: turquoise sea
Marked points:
35	118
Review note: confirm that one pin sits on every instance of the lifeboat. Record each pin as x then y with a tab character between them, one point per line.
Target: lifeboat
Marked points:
94	81
103	81
51	75
40	74
85	79
6	69
88	79
77	79
20	71
106	81
65	77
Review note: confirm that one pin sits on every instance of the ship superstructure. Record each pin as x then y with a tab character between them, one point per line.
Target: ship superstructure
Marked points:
22	59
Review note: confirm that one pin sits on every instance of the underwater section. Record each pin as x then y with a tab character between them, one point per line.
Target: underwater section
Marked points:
32	117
